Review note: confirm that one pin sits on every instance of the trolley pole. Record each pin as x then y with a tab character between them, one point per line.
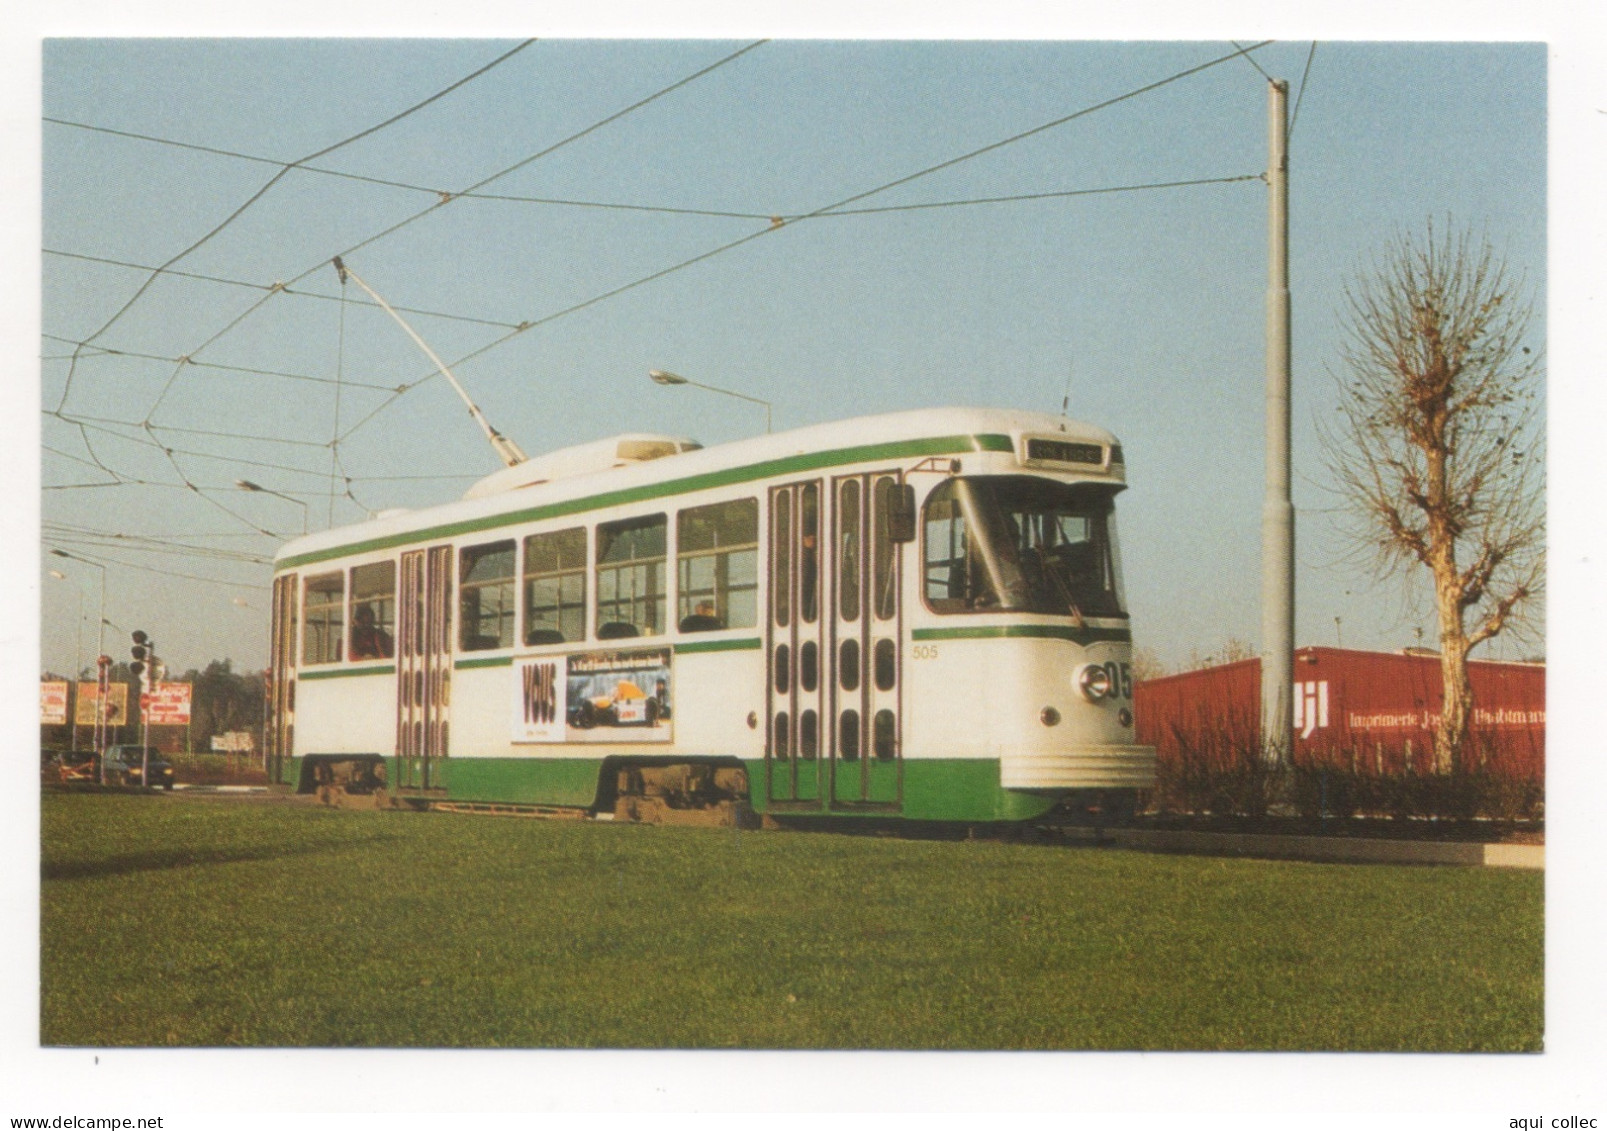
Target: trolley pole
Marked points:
1277	511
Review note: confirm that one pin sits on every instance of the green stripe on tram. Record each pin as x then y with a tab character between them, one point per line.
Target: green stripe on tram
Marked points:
342	673
1082	636
788	465
751	643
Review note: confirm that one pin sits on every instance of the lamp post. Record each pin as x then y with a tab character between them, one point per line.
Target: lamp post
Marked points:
247	485
664	377
100	650
78	655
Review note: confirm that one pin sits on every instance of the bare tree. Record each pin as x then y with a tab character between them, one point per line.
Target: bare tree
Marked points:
1147	664
1438	449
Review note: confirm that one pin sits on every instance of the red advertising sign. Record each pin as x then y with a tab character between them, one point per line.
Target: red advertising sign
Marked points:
169	705
52	702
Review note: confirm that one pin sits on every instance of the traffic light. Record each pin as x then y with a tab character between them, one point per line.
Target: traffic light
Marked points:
144	653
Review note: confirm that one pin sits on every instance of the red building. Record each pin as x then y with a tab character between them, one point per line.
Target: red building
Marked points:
1369	712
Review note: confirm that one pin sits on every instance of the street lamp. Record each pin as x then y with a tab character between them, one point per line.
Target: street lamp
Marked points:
78	654
100	651
664	377
100	634
247	485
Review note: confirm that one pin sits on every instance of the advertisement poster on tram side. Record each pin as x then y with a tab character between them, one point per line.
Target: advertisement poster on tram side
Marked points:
52	702
89	696
611	696
539	706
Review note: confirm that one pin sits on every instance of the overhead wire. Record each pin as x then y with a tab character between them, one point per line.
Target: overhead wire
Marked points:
1251	60
1059	194
122	564
244	369
145	286
1300	97
270	287
837	208
640	103
408	186
153	546
371	130
67	528
829	209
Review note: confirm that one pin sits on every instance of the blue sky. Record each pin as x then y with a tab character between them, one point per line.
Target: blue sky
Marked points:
1144	306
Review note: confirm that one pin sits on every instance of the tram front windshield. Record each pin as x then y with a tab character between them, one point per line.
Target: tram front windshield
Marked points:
1021	544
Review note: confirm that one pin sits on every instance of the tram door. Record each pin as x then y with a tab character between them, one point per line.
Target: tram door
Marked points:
795	646
423	667
282	676
865	744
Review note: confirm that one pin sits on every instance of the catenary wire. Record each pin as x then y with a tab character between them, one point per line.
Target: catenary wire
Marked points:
145	286
837	208
409	187
243	369
1060	194
392	120
148	423
279	287
1300	97
322	264
776	224
1251	60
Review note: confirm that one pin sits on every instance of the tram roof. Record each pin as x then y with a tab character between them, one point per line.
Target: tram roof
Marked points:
602	473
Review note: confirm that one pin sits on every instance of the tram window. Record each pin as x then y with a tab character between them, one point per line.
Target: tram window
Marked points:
809	558
882	736
781	549
886	665
848	550
848	736
373	611
555	586
848	664
485	597
883	576
717	566
630	576
1020	543
808	665
948	553
323	618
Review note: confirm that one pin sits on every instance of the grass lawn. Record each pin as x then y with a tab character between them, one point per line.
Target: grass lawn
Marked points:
180	921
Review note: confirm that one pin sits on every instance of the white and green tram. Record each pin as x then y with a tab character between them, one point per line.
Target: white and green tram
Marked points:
915	616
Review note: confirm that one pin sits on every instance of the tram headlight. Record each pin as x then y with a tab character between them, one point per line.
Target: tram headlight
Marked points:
1094	682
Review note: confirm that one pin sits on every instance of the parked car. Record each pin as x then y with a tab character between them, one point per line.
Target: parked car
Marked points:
124	763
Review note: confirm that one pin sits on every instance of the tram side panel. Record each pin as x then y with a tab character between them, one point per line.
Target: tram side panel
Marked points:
708	710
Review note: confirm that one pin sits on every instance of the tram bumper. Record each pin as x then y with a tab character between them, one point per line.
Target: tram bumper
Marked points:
1085	767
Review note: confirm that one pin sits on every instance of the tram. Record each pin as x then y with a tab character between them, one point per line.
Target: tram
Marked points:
916	616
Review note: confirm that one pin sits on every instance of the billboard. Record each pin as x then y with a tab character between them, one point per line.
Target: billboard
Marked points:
168	704
52	702
116	704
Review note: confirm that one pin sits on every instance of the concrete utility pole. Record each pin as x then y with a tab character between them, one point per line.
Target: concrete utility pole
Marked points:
1277	509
